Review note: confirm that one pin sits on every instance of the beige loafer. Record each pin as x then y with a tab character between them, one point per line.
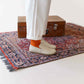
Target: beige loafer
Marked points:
42	50
48	44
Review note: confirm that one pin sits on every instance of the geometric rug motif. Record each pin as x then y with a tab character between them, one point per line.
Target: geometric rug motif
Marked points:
15	53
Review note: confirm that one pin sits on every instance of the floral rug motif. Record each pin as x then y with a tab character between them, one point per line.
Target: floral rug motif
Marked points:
15	53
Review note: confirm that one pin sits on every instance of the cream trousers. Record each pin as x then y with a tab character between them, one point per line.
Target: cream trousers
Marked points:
37	12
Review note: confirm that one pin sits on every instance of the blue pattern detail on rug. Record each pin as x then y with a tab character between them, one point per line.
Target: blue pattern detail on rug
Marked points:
15	53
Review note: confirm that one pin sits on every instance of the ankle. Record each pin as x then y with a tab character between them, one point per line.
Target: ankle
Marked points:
35	43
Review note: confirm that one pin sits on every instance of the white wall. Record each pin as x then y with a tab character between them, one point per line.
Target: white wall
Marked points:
70	10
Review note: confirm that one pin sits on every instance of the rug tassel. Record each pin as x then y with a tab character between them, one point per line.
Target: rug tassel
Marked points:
9	67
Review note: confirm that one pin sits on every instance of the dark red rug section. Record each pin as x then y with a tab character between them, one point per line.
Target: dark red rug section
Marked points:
15	53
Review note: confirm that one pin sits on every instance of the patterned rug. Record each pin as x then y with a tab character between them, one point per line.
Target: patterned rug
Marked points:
14	51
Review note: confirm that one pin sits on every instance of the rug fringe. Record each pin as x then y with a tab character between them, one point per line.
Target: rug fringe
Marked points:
8	66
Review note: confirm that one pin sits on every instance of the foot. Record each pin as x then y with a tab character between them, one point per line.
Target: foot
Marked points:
48	44
42	49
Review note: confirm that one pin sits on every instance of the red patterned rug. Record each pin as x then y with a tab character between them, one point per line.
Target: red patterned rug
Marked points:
14	51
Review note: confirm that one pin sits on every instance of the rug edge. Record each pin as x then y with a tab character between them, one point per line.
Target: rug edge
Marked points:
6	61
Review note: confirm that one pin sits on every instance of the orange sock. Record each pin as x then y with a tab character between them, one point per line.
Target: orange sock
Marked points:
35	43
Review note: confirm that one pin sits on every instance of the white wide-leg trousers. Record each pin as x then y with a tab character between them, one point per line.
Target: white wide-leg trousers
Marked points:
37	12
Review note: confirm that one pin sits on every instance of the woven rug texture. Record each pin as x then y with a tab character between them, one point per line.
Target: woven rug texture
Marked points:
15	53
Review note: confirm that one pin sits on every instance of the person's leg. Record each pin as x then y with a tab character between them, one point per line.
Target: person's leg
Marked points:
45	13
36	17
